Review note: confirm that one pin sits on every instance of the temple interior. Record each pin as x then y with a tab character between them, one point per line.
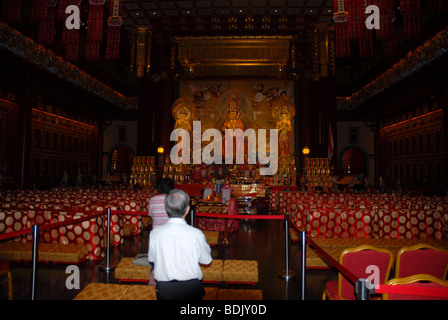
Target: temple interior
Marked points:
314	125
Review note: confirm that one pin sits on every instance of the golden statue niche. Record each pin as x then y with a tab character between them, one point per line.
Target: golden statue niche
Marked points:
283	112
234	119
182	111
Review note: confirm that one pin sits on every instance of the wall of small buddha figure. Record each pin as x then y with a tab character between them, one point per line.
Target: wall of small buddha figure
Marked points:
61	146
414	151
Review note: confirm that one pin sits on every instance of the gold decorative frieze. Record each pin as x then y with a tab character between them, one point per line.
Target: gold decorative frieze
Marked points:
234	56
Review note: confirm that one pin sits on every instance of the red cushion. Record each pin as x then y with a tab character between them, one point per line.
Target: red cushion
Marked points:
424	261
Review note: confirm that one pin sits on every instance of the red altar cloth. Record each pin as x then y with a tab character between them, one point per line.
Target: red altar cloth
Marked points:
192	189
219	224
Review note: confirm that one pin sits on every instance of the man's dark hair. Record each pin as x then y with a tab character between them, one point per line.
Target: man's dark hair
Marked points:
176	202
166	185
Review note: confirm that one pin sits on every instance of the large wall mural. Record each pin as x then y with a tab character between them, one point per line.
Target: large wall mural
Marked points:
241	104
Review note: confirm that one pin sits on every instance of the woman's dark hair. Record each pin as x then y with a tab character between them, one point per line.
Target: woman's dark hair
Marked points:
166	185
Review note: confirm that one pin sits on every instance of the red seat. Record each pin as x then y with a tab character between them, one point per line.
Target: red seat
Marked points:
418	280
421	259
356	260
4	269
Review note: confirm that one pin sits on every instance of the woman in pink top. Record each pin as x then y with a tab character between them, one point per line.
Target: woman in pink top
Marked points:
157	203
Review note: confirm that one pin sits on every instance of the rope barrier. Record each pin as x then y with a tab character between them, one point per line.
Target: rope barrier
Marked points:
413	290
346	273
35	235
240	216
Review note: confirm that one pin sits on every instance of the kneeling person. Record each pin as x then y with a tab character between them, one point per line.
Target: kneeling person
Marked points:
177	249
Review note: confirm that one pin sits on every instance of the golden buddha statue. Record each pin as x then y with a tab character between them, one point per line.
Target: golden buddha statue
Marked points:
182	111
233	122
283	113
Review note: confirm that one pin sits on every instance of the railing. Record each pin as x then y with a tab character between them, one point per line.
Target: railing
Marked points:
363	289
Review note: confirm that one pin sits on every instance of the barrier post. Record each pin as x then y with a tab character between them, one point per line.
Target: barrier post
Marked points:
303	266
361	290
192	209
34	259
288	274
107	268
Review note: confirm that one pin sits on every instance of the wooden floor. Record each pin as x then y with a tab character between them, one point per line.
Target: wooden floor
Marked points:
262	240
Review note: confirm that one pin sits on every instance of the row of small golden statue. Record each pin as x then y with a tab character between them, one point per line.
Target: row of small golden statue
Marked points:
317	175
143	171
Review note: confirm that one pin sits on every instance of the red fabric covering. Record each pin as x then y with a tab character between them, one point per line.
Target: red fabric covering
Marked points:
427	261
191	189
95	30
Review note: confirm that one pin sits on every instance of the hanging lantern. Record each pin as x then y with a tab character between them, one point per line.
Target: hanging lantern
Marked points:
95	29
113	30
306	150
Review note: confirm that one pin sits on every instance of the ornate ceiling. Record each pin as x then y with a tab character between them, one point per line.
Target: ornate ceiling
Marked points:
227	16
171	22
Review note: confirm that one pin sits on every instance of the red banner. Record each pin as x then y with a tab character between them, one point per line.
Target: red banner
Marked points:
95	29
46	26
39	10
386	33
410	9
10	10
114	30
70	37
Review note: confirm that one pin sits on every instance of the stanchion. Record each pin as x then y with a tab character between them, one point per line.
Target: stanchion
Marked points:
34	259
288	274
107	268
362	291
303	243
192	209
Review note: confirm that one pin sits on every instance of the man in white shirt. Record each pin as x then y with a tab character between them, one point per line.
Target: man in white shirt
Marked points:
177	249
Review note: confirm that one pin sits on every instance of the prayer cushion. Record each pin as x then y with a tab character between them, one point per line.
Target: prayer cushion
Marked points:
102	291
127	270
213	271
239	294
242	271
139	292
69	253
